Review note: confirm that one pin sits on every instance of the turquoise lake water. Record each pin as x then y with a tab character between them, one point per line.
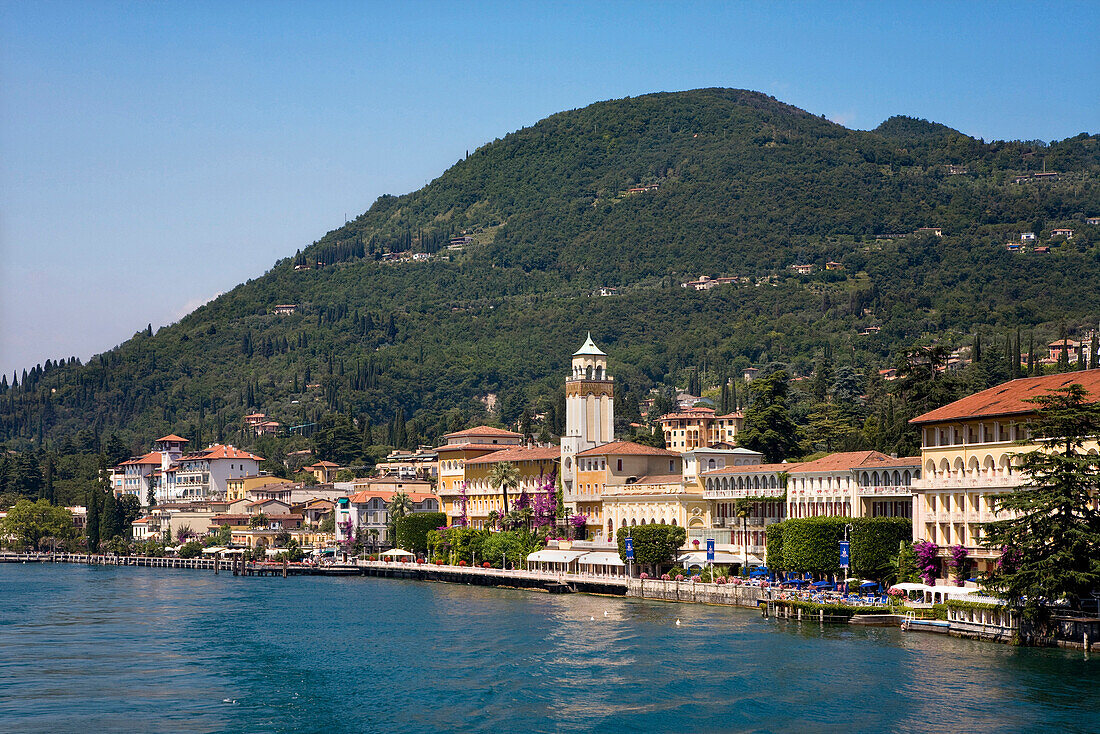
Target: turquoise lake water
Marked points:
106	649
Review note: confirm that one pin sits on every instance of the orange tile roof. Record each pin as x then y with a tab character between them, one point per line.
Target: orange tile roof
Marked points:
172	437
153	457
367	495
853	460
472	447
749	468
220	451
484	431
626	448
1010	398
324	464
519	453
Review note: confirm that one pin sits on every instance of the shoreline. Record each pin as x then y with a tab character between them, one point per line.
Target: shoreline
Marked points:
683	592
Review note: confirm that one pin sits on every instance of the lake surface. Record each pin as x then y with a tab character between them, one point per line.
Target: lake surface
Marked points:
105	649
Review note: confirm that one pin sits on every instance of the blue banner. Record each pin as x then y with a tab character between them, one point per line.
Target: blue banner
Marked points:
710	549
629	548
845	554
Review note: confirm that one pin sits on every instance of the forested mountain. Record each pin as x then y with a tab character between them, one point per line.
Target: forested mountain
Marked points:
732	183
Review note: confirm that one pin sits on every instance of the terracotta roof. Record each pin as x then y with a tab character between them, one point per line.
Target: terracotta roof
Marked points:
153	457
171	437
219	451
751	468
626	448
484	431
689	413
367	495
257	503
519	453
324	464
853	460
143	520
1010	398
474	447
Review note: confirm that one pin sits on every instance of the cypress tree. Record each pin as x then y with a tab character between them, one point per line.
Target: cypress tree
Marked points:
1094	347
91	527
108	519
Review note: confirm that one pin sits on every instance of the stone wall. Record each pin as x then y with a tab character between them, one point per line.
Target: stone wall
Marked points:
697	592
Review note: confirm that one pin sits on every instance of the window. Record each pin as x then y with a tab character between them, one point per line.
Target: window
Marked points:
618	465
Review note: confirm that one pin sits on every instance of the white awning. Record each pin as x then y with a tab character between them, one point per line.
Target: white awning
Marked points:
699	558
233	551
909	586
550	555
398	553
212	550
601	558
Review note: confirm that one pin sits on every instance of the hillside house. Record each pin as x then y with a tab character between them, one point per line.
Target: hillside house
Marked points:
705	283
1043	250
936	231
834	265
1094	221
1027	237
285	309
1062	232
803	269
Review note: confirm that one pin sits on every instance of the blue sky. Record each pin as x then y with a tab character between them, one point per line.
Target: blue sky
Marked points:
155	154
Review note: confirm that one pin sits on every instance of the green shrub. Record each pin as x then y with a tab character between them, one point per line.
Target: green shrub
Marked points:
653	544
773	544
190	549
835	610
411	531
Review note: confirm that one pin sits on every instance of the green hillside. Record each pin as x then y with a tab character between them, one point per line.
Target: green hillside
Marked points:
746	186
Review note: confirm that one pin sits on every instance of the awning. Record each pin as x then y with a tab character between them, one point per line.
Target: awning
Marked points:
551	555
398	553
233	552
213	549
909	586
601	558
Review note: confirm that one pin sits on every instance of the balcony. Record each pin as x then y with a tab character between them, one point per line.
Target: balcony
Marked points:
722	494
886	491
981	482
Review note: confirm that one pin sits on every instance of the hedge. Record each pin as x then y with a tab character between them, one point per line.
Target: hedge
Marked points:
960	604
812	544
773	543
411	531
653	544
835	610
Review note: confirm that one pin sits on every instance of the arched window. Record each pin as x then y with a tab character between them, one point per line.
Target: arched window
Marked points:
897	478
874	479
588	372
673	521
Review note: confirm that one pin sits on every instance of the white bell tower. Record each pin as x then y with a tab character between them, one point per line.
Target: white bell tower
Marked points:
589	409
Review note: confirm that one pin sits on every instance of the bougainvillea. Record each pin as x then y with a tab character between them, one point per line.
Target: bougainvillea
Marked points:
927	561
960	563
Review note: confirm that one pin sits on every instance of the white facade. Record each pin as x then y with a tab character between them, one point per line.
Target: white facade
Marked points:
589	410
698	461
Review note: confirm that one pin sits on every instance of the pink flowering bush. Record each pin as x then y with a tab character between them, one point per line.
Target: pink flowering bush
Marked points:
664	577
679	577
928	563
643	575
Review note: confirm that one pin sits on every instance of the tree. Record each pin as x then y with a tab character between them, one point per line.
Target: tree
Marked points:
1050	543
411	531
654	545
768	426
109	518
258	520
399	506
29	522
503	475
336	439
127	509
91	527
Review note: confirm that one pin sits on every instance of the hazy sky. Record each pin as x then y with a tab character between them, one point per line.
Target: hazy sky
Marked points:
154	154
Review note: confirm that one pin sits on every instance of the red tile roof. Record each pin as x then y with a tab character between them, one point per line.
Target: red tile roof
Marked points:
172	437
323	464
484	431
626	448
751	468
1011	397
519	453
853	460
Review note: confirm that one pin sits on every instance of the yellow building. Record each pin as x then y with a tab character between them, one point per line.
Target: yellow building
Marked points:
968	451
536	465
238	488
694	428
612	471
464	445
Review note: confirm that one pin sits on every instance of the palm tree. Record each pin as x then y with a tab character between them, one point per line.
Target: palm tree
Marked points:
398	507
503	475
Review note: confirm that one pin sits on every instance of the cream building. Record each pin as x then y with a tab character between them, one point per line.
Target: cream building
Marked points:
968	451
852	484
724	489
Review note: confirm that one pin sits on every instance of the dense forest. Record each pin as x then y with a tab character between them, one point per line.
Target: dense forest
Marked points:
727	183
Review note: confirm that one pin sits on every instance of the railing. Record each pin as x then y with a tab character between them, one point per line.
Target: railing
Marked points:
886	491
1014	480
717	494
